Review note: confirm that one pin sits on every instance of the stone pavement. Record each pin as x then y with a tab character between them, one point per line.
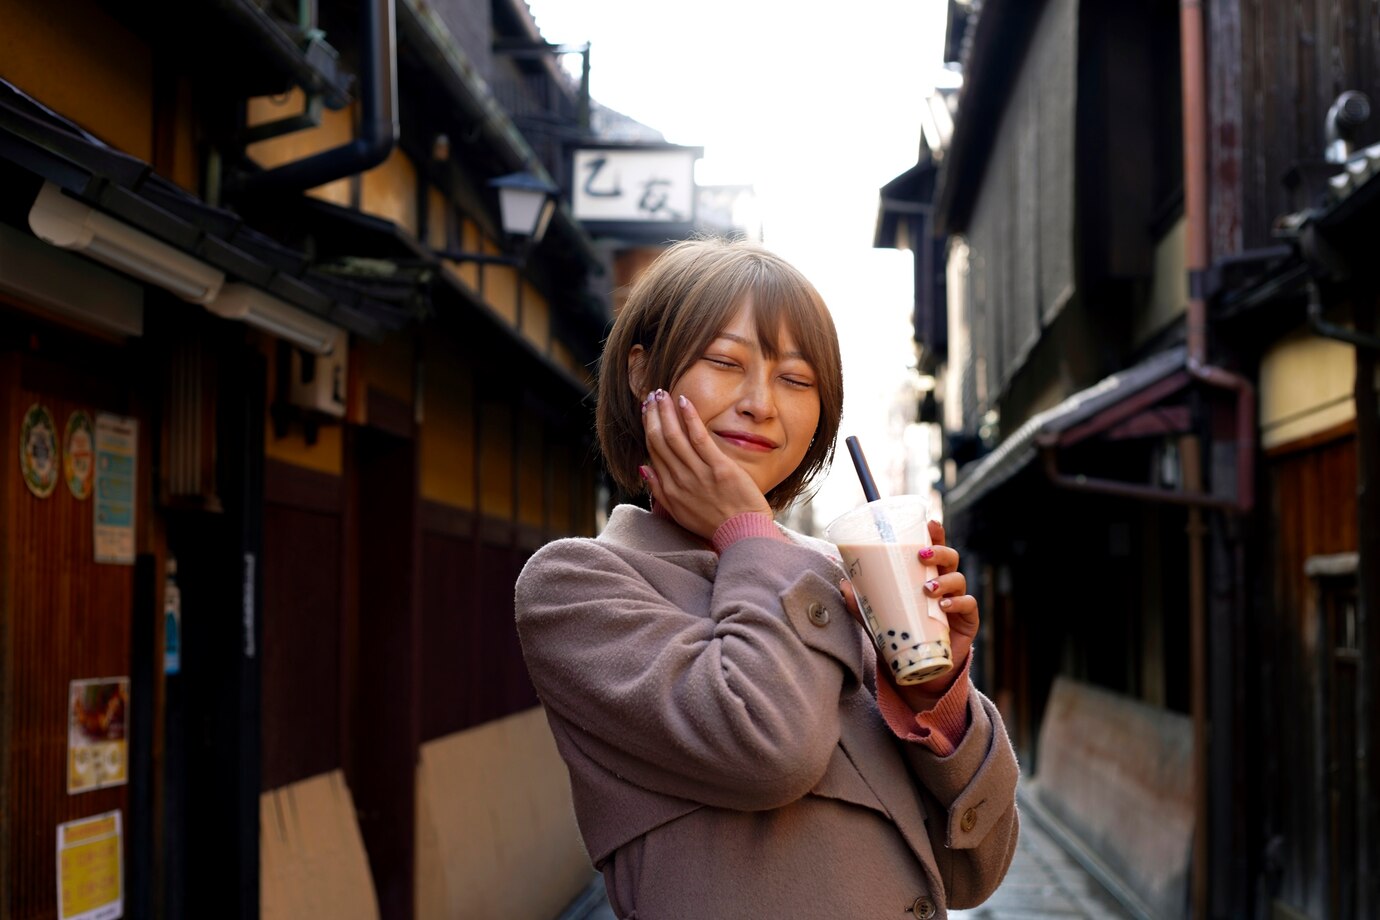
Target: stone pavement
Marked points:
1043	883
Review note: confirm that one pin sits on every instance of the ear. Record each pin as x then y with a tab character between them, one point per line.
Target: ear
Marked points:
637	372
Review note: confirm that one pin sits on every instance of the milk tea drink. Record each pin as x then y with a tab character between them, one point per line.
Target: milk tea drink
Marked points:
880	544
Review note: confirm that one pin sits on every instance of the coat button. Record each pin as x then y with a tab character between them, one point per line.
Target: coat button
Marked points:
819	614
923	908
969	819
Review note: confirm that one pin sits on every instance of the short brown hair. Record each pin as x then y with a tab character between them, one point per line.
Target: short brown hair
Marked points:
675	309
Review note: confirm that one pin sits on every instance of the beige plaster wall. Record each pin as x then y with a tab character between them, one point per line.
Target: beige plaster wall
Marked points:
1306	385
1169	296
496	833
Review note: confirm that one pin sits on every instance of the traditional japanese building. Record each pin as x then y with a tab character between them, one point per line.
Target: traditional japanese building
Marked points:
286	406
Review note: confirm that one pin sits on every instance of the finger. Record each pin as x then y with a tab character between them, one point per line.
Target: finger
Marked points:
945	558
653	485
936	533
664	458
850	599
697	434
950	585
963	615
673	430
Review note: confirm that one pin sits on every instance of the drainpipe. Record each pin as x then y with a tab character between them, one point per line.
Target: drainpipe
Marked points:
377	133
1193	63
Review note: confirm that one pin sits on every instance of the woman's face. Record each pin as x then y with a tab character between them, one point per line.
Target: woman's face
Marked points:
762	412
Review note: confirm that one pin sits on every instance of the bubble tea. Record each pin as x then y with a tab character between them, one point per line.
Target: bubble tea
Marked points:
880	542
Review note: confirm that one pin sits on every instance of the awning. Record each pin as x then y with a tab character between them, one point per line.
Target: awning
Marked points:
1126	391
52	148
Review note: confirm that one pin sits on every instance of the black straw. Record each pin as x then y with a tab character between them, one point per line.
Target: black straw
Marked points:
869	485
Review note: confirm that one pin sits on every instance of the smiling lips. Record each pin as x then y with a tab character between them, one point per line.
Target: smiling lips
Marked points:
747	441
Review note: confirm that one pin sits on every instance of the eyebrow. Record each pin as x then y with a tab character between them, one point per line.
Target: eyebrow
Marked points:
750	343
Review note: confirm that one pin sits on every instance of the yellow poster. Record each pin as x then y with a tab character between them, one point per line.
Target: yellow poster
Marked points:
88	869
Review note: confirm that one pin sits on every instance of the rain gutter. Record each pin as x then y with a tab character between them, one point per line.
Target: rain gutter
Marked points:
1193	63
378	130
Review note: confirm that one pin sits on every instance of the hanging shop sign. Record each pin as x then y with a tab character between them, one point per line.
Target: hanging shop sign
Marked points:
78	454
652	183
89	875
38	451
117	446
97	752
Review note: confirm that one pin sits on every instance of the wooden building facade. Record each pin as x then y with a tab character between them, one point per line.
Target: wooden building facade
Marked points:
347	407
1213	507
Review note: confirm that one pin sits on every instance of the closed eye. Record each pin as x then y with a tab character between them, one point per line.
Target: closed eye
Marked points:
720	362
799	382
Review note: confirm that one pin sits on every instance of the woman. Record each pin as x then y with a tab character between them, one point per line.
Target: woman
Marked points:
732	750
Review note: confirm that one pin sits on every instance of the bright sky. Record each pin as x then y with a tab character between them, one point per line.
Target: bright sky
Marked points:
817	106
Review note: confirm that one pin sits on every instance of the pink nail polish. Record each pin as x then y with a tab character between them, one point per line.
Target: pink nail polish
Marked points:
684	403
644	473
660	395
932	584
927	552
945	604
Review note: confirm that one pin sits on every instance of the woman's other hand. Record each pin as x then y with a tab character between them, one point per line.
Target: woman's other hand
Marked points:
689	475
951	587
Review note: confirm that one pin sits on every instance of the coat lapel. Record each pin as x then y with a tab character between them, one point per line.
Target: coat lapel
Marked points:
871	747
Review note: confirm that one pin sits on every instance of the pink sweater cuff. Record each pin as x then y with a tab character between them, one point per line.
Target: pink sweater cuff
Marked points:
942	726
742	526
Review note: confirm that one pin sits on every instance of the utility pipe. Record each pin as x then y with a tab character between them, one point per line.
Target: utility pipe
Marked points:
378	129
1192	59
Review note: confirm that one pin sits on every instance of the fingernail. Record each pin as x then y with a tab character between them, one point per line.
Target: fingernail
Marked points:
945	604
645	473
932	584
927	552
660	395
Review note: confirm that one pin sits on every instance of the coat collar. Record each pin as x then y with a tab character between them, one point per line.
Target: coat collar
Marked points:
636	528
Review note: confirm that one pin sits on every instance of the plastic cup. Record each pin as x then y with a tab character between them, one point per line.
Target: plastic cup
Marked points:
880	544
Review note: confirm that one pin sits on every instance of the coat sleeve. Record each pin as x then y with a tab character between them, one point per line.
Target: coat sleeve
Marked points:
973	789
736	709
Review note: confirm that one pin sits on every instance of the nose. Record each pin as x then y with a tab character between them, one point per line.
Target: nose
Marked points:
755	400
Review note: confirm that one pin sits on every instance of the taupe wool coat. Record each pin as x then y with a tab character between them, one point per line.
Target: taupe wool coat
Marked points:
727	757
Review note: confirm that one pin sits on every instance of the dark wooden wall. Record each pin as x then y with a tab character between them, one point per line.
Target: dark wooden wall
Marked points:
1296	58
62	617
1312	512
302	623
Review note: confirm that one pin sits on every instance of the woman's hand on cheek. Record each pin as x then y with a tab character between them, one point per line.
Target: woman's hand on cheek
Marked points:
689	476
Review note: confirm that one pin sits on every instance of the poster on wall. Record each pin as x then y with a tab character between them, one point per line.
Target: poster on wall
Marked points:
78	446
89	852
97	753
117	445
38	451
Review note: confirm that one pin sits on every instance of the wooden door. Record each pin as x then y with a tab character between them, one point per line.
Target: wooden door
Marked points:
1340	653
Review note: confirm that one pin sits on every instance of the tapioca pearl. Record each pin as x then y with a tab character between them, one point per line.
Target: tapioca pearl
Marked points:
895	665
891	632
905	636
894	648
